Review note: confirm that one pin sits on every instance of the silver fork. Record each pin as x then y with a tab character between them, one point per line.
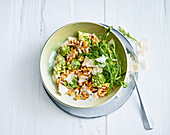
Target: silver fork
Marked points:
147	120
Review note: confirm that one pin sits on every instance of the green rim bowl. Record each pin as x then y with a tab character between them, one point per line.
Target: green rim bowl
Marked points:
53	44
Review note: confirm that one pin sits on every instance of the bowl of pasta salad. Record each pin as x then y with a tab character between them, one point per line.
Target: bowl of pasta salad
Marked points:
83	65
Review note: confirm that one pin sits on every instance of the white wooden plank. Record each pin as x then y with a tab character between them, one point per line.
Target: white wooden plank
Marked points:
29	110
90	10
56	14
25	25
5	59
44	116
144	19
73	125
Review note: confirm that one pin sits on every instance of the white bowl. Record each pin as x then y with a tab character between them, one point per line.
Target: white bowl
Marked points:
55	41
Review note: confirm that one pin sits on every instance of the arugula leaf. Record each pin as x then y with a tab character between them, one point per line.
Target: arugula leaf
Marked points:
124	84
107	32
86	39
112	71
128	35
86	54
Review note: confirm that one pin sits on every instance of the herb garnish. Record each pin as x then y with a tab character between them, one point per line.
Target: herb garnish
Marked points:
128	35
112	70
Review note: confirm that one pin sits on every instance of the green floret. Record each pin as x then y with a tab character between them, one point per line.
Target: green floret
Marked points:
65	50
63	63
81	58
60	67
69	66
75	64
59	58
98	80
73	83
82	35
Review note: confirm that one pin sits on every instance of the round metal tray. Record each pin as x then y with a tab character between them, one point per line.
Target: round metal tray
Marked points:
111	106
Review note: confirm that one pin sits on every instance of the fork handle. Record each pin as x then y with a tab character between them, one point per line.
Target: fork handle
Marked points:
147	120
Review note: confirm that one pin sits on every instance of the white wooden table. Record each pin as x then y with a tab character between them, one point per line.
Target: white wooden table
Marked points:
24	27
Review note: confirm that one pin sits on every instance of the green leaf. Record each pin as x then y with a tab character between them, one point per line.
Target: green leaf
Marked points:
73	84
75	64
128	35
107	32
98	80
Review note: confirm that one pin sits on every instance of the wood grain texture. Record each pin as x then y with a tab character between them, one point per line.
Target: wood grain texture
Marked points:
144	19
84	11
25	26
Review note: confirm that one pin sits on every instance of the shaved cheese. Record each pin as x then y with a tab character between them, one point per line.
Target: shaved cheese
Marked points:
102	59
143	64
143	50
133	66
95	96
110	42
77	92
82	78
88	62
97	69
62	89
71	82
70	77
83	88
57	76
